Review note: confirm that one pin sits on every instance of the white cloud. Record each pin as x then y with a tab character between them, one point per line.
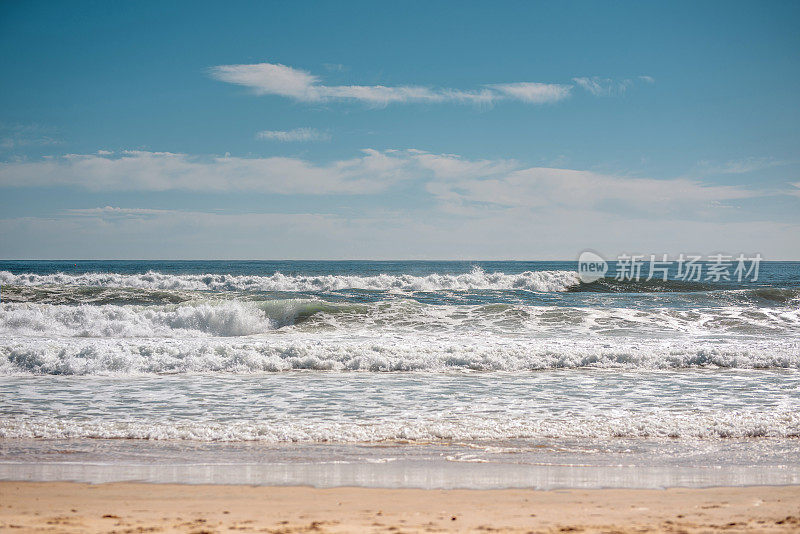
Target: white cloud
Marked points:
458	184
277	79
298	134
13	136
381	95
112	212
548	189
452	166
371	172
268	78
740	166
534	93
599	86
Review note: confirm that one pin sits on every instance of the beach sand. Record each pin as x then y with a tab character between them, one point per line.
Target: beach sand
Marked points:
133	507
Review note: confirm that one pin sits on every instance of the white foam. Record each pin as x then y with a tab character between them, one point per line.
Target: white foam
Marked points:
623	424
216	317
384	352
220	318
544	281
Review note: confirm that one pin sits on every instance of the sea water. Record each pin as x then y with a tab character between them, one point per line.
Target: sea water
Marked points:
424	374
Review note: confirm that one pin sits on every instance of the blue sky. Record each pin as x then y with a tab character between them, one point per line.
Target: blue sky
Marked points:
463	130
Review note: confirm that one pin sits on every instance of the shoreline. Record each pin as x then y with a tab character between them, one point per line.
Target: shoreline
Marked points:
141	507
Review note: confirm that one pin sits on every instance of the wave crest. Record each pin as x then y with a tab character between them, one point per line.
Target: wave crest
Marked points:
76	356
477	279
223	318
713	425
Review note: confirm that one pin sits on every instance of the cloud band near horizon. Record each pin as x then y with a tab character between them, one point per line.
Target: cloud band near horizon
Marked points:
457	184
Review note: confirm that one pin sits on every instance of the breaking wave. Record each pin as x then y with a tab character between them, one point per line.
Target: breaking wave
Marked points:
401	317
543	281
387	353
162	288
224	318
713	425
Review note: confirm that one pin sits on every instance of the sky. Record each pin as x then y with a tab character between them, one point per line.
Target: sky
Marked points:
387	130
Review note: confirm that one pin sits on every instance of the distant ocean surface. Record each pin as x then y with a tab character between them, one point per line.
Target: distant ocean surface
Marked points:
431	374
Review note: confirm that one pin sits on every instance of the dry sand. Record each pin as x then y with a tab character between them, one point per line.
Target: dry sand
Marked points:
130	507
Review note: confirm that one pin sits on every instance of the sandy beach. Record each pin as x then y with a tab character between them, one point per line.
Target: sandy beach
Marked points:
132	507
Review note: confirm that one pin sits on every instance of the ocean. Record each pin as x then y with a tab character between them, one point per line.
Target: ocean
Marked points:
397	374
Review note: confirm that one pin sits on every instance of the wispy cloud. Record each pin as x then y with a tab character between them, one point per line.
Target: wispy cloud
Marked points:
111	212
599	86
25	135
468	208
334	67
281	80
455	182
545	188
739	166
298	134
137	170
534	93
449	167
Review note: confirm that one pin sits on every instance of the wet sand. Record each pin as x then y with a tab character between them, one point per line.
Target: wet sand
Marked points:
135	507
